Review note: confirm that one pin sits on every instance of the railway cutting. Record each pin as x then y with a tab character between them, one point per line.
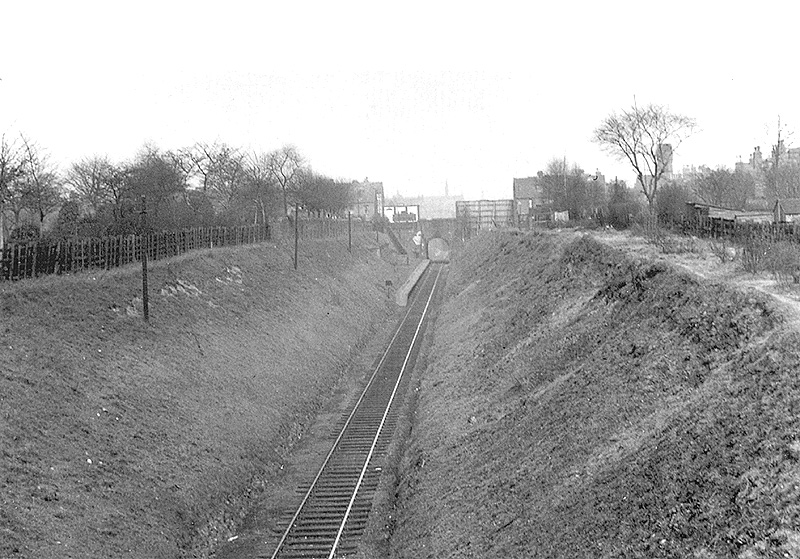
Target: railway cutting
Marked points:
332	514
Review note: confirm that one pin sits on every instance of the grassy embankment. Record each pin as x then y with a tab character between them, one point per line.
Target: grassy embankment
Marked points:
581	404
121	439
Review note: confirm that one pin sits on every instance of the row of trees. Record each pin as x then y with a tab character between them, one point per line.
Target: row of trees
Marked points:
780	173
646	137
565	186
201	185
643	137
723	187
28	183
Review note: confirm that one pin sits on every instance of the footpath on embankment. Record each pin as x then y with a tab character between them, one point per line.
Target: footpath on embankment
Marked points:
580	401
123	439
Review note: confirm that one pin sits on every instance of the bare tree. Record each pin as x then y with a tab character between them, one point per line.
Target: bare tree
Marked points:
10	171
92	179
554	183
640	136
713	187
261	189
152	174
194	163
744	188
722	187
567	187
322	194
285	166
783	181
218	168
225	182
42	183
782	173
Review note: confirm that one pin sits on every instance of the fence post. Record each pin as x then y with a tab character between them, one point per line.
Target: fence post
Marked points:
145	301
35	255
296	230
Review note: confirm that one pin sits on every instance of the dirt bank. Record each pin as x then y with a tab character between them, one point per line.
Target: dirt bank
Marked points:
123	439
583	403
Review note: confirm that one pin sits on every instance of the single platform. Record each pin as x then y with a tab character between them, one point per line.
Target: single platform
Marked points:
401	296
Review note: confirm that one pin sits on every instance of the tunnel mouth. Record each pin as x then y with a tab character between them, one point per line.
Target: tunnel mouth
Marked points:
438	250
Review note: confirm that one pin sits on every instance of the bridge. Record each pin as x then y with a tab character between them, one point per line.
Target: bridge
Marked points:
441	234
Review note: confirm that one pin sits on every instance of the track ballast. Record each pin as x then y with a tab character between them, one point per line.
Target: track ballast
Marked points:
335	507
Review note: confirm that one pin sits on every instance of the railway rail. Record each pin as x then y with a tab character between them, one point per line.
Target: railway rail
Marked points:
333	512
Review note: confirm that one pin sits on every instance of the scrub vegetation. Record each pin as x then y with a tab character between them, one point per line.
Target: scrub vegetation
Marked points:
587	401
123	439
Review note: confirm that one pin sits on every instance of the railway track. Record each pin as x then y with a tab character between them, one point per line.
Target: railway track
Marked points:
335	506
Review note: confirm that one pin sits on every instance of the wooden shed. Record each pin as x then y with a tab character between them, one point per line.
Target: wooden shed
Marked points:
786	211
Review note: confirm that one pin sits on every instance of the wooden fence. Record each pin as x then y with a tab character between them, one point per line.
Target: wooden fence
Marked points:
742	231
27	260
475	215
317	228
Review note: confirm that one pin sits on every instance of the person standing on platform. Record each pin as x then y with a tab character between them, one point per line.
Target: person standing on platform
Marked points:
419	241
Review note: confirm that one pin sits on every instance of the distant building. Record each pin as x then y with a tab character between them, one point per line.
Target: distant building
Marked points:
530	199
756	159
689	173
600	181
793	156
758	167
528	194
367	199
664	159
430	207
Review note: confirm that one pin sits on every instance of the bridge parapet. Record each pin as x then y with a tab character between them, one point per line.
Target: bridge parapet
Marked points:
449	229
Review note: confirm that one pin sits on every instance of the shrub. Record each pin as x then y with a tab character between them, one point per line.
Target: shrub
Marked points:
671	244
754	254
25	232
783	261
646	226
671	202
723	250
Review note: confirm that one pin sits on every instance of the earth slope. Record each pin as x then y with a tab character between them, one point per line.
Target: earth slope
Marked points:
121	439
583	403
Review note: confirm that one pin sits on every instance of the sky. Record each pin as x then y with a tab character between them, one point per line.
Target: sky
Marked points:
414	94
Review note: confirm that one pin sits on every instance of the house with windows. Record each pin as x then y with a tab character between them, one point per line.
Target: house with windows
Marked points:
367	199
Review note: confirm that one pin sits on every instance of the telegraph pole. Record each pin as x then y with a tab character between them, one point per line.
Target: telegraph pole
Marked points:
296	232
145	298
